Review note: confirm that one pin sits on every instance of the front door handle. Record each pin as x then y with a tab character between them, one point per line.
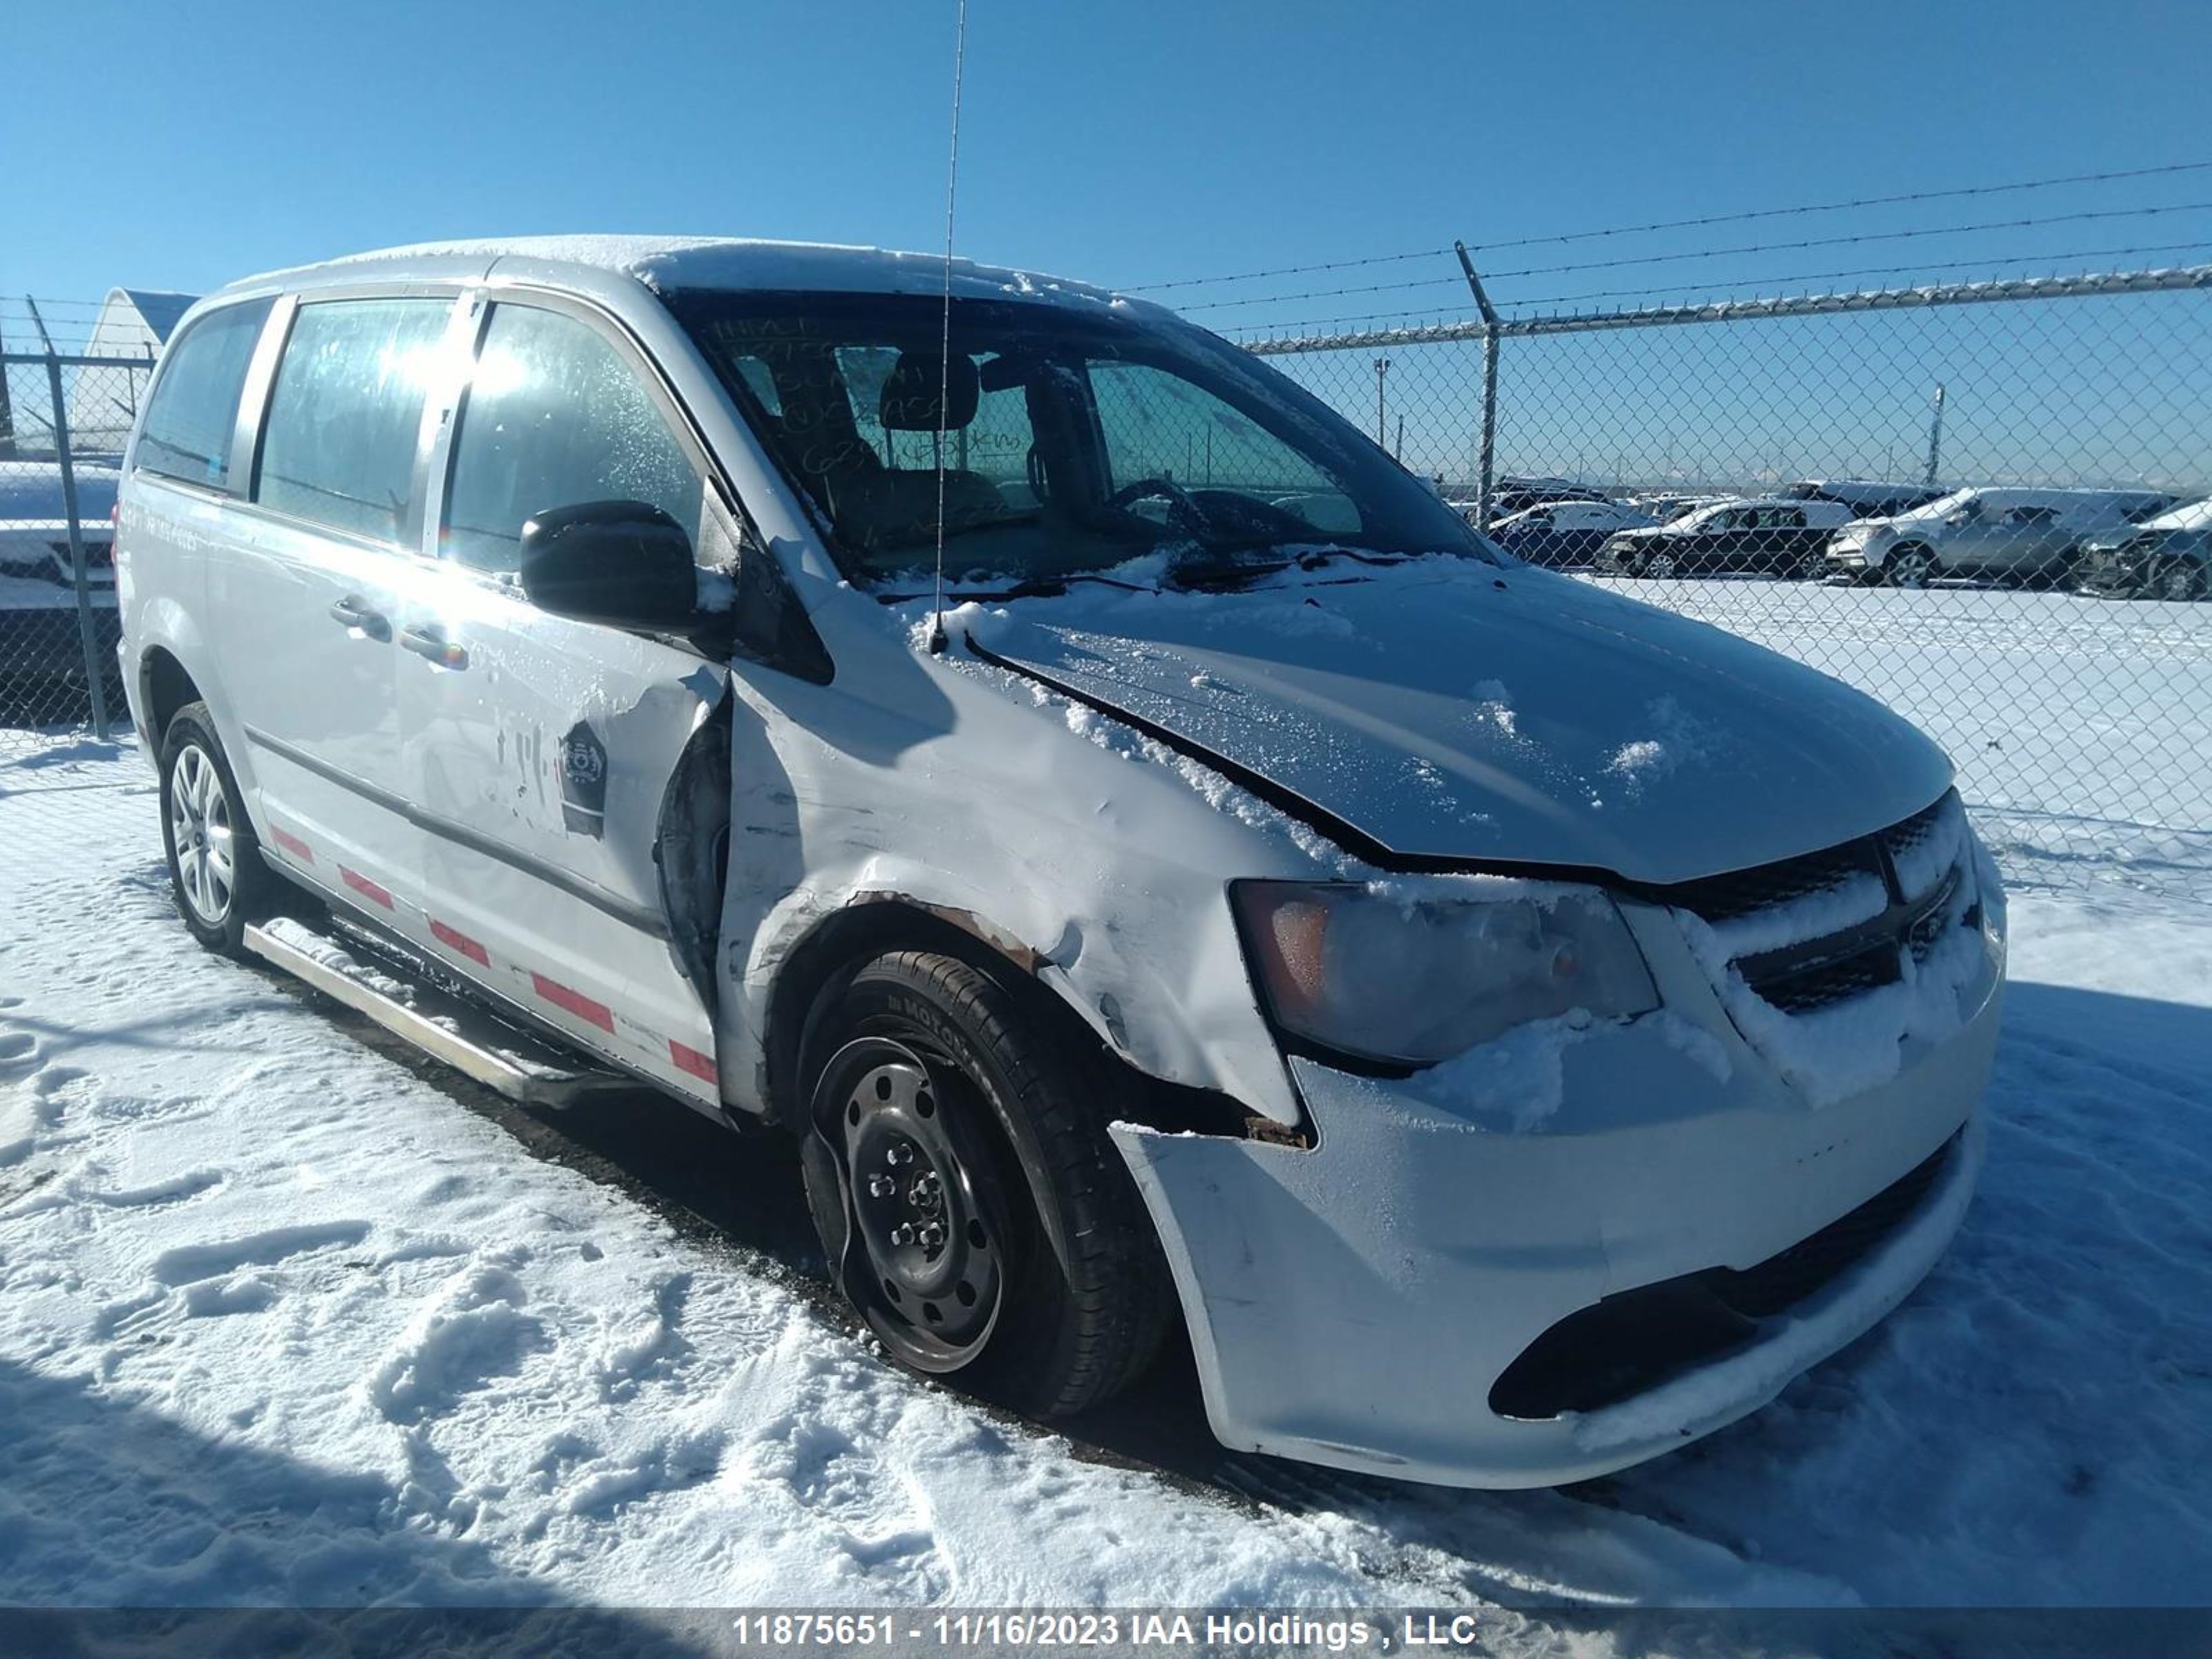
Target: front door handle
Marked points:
429	641
353	614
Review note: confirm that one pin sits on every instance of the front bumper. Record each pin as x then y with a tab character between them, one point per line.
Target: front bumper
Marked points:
2105	570
1356	1304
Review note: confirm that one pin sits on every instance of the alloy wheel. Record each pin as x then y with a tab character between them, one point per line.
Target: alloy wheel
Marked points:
2178	580
1910	567
200	830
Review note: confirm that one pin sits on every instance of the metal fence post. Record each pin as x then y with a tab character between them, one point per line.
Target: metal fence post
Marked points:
1486	456
95	679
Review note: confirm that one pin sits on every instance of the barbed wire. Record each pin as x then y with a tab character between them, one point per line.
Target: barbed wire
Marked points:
1703	221
1853	240
1988	262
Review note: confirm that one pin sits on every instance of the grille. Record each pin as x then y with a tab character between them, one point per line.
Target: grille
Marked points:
1802	990
1820	973
1744	892
99	555
1901	839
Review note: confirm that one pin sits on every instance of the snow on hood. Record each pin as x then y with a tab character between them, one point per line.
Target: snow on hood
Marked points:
1453	711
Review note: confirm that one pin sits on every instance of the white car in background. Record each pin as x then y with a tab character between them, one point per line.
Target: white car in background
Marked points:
43	671
2016	535
1561	534
1514	1029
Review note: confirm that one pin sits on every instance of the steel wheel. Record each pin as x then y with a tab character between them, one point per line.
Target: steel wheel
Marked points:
200	830
924	1258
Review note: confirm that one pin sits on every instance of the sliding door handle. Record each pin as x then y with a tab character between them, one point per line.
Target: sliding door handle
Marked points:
429	641
352	614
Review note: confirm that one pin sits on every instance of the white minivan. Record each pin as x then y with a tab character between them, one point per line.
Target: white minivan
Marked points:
1514	1030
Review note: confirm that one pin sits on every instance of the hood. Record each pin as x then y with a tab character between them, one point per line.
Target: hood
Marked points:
1454	714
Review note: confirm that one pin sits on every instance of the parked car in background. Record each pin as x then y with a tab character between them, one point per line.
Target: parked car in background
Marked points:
1562	534
1665	507
2166	556
1765	536
1514	496
2006	534
1866	498
43	678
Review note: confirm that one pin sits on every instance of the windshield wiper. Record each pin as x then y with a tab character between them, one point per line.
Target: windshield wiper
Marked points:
1202	567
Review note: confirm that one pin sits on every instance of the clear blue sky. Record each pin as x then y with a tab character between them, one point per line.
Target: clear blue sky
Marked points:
178	146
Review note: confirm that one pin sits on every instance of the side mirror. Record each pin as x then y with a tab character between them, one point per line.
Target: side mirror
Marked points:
621	564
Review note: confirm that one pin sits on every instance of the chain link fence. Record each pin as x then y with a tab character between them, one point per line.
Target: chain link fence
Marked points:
2043	614
64	420
2051	629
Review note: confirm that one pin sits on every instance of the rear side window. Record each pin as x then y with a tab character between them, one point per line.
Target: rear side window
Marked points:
556	417
346	410
195	406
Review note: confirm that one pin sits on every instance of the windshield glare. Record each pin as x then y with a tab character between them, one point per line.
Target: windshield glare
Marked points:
1075	443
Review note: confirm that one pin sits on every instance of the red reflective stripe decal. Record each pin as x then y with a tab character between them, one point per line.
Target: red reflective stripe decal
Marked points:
292	844
691	1059
454	939
596	1013
365	887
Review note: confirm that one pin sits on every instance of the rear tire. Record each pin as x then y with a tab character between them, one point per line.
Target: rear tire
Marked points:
973	1209
216	871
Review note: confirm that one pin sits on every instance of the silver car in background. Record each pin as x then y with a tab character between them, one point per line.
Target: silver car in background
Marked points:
2017	535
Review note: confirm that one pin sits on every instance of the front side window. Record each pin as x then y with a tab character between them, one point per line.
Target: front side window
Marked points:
195	406
1072	441
556	417
346	411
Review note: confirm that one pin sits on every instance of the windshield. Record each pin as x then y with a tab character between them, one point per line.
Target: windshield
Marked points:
1693	518
1076	442
1942	506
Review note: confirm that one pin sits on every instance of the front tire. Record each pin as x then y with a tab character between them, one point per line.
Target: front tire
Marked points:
216	871
1909	566
2179	581
973	1209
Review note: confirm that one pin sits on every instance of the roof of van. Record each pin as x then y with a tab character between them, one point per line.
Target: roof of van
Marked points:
665	263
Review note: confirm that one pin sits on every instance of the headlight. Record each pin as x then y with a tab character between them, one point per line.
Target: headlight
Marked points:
1416	982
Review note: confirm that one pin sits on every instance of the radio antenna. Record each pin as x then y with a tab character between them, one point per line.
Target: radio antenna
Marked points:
944	343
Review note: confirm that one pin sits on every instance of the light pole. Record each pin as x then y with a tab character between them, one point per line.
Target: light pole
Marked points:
1935	435
1381	368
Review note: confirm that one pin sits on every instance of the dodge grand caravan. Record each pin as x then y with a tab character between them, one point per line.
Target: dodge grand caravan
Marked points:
1514	1030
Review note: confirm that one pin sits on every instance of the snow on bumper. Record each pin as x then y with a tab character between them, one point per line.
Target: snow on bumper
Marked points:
1353	1305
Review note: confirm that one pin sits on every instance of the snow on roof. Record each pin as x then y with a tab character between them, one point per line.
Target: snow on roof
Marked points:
665	263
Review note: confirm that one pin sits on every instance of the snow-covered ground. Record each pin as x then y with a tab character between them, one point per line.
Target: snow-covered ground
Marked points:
285	1317
2082	726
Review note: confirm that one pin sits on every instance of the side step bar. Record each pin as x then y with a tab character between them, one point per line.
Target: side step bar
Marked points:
469	1038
